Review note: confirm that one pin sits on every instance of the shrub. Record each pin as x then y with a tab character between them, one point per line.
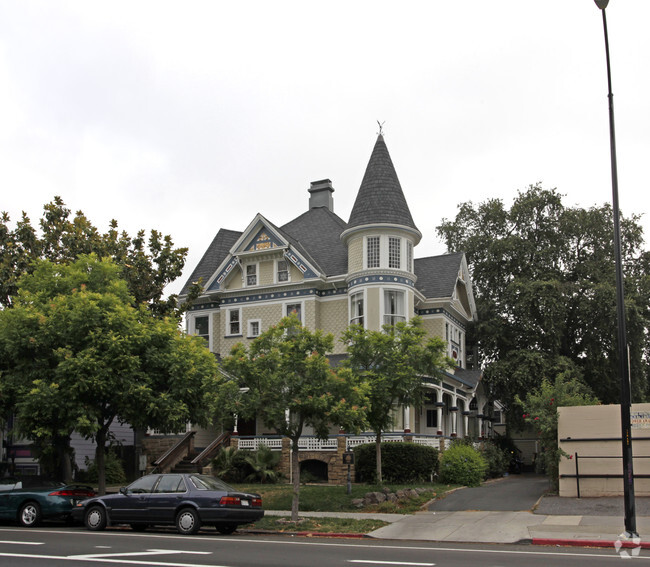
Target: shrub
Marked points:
114	469
401	463
497	459
231	465
263	464
462	464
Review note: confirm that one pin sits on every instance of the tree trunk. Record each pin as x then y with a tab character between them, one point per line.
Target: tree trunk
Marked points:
378	455
63	455
295	473
100	461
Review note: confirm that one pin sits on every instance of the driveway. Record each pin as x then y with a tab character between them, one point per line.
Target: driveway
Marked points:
516	493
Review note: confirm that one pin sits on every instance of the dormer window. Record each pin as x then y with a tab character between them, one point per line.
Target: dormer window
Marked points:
251	274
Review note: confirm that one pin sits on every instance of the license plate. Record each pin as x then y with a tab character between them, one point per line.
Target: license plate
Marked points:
245	503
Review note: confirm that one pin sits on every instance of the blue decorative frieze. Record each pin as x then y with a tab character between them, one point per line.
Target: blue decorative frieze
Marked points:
203	306
440	311
300	264
381	278
331	292
216	284
271	296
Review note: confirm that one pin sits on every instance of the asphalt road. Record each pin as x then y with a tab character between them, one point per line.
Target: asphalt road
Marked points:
64	547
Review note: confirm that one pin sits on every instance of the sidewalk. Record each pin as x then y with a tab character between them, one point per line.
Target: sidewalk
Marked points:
481	515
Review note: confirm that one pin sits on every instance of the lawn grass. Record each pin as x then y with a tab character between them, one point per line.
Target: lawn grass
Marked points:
334	498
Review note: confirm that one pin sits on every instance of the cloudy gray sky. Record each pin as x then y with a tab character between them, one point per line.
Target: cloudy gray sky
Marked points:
191	116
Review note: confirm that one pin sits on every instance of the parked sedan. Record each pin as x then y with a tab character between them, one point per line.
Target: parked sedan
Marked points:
187	501
32	499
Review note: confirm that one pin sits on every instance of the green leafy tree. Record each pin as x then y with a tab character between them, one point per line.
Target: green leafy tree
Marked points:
291	386
147	264
564	388
394	365
545	290
79	355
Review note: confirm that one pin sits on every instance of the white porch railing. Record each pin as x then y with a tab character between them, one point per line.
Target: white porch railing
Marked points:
312	443
253	443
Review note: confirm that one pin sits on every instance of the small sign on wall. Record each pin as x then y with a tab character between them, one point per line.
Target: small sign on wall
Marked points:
640	419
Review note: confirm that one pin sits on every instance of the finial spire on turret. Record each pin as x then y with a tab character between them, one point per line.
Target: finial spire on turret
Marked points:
381	128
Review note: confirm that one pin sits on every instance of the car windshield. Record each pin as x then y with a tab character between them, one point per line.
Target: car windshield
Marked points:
205	482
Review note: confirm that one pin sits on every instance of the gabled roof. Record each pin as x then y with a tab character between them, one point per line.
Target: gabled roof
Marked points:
317	232
380	199
213	257
437	275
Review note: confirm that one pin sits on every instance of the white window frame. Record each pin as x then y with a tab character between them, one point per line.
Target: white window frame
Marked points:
256	275
352	315
277	270
228	322
398	250
394	317
192	326
409	256
285	306
250	328
366	255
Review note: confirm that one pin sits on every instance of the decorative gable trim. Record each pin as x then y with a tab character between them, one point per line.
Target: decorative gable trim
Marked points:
299	263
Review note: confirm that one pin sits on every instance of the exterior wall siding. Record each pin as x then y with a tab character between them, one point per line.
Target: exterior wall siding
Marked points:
334	319
355	254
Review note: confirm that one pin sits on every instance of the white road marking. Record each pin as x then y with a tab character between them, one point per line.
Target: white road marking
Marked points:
106	560
390	563
24	542
130	553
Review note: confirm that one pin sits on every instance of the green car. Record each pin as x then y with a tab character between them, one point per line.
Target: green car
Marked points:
30	499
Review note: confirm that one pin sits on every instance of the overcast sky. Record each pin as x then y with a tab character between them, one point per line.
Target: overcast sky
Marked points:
192	116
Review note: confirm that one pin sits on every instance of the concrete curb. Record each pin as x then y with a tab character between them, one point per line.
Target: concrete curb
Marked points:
557	542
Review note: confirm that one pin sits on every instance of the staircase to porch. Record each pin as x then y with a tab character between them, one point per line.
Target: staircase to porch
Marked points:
187	465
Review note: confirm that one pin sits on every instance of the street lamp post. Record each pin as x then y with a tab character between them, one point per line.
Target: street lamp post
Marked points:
623	364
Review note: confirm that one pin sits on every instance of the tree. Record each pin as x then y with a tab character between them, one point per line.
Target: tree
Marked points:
394	365
544	284
291	386
565	388
78	355
147	264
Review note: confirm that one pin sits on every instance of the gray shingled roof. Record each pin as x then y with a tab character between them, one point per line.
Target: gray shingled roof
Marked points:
214	255
470	378
318	232
437	275
380	198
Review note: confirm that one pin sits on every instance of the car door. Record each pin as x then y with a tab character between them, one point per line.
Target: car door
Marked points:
7	509
130	505
164	499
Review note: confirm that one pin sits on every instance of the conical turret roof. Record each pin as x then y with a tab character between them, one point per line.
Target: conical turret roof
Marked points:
380	198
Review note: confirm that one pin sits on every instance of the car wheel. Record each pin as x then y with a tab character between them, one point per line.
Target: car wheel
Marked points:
139	527
96	518
29	515
188	521
226	529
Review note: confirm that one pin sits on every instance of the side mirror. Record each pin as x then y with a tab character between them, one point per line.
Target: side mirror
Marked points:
123	490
